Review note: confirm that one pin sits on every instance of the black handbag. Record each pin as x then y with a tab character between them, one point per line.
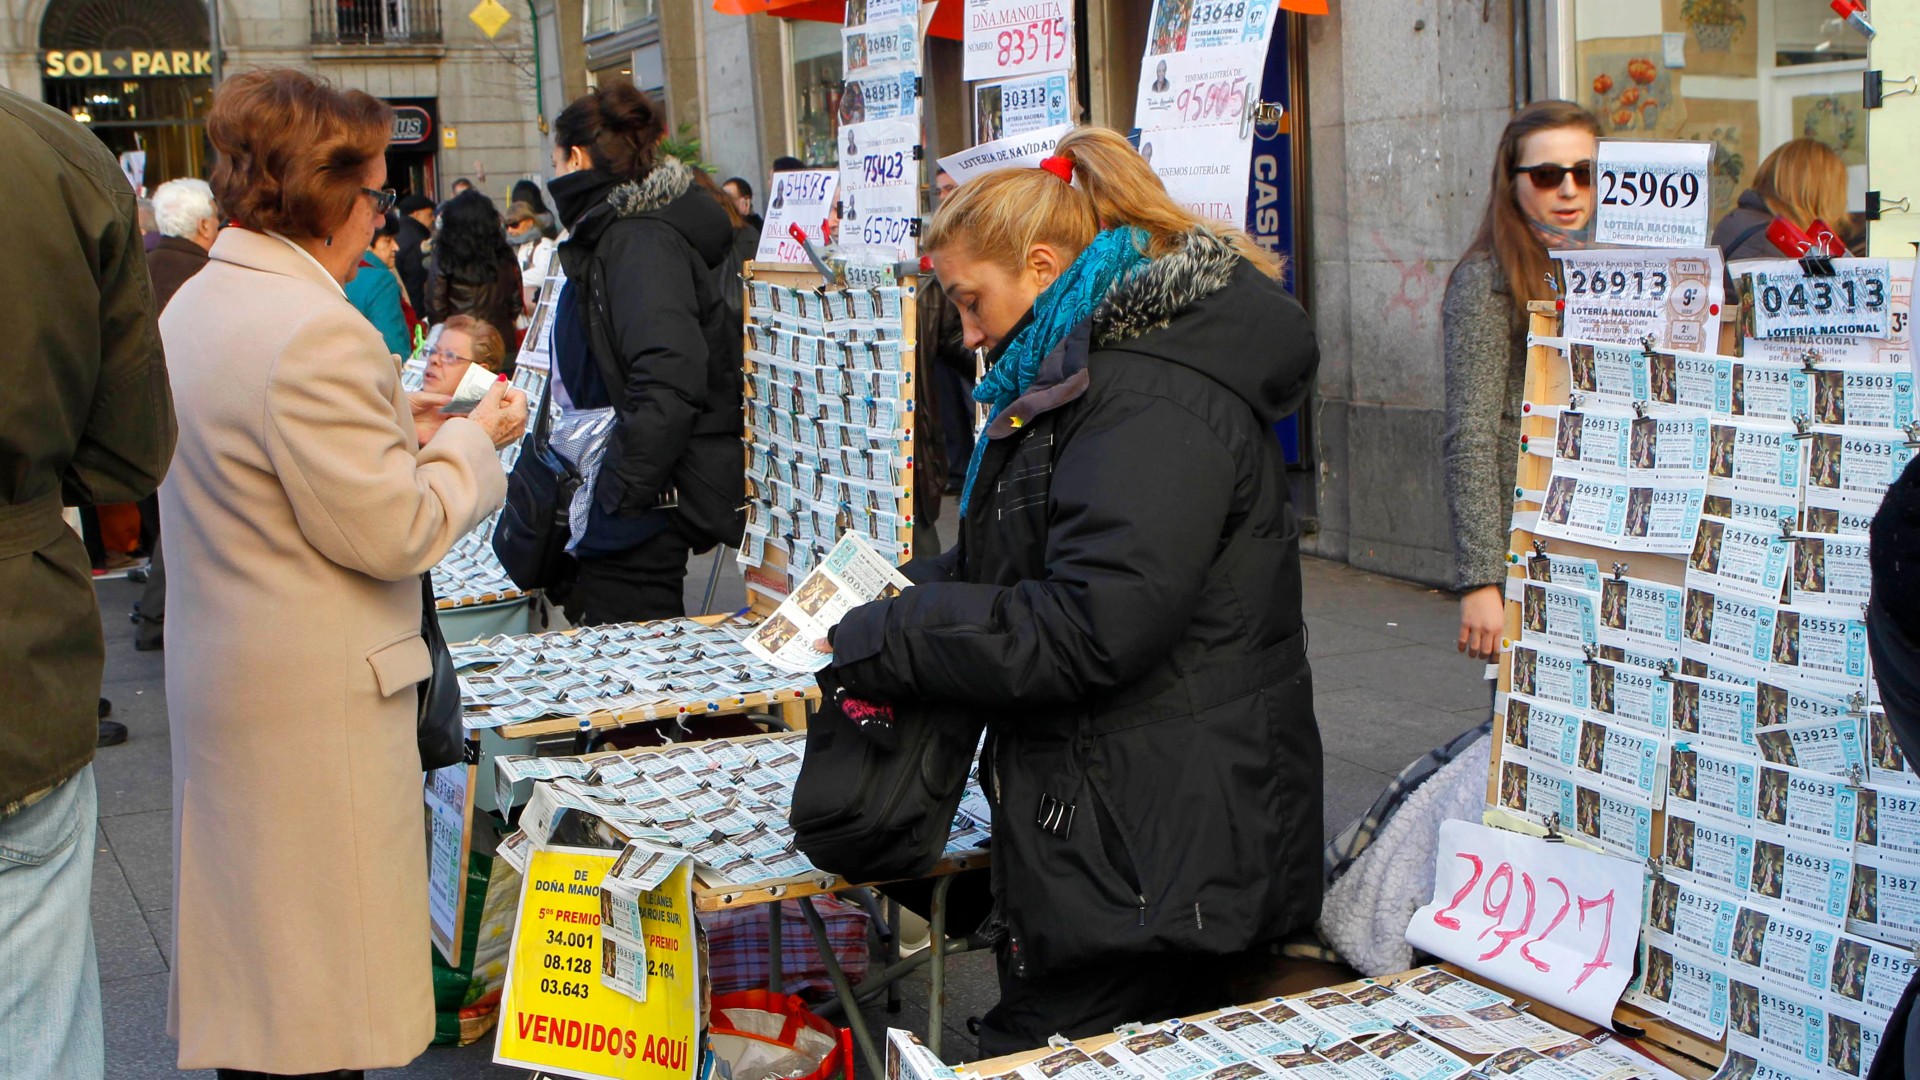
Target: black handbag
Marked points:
876	794
531	538
443	741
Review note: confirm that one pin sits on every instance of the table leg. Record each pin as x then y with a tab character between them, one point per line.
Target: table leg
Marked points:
937	941
893	952
838	977
775	981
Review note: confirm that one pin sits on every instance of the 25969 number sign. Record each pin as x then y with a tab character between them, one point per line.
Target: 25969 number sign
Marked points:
1651	194
1645	187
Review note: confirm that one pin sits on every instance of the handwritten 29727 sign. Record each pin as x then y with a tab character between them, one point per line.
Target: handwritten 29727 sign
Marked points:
1554	922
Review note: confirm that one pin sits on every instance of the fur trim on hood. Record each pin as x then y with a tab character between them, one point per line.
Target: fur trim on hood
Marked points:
666	181
1164	287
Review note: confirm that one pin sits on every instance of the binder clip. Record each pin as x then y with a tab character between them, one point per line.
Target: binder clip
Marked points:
1815	259
1552	824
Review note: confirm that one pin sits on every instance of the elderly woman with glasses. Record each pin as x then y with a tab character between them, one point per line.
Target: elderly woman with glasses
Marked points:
307	497
464	341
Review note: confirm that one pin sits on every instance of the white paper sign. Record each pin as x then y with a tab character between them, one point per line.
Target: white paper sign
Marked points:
1652	194
1018	151
1017	37
1622	296
1205	169
1552	921
804	198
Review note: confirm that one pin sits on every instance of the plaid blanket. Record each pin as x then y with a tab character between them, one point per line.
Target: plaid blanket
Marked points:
737	945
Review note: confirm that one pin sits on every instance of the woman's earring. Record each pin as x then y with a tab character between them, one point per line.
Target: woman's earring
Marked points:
329	241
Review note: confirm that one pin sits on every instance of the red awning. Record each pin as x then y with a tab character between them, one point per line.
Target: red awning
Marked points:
946	18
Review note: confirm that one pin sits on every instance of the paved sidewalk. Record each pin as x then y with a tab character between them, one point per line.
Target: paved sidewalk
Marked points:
1388	687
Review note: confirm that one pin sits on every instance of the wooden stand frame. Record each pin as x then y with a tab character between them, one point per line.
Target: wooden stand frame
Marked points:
1548	382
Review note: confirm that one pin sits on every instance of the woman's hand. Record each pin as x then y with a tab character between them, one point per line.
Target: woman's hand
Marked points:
1483	618
502	414
427	416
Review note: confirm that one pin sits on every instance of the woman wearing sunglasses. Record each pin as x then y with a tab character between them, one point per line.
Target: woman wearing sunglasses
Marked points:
1542	199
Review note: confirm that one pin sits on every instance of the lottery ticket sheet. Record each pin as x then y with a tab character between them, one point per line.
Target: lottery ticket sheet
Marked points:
1619	296
852	574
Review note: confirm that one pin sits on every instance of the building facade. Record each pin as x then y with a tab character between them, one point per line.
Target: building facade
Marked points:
141	73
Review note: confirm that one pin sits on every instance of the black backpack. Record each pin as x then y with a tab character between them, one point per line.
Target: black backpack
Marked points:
876	796
531	537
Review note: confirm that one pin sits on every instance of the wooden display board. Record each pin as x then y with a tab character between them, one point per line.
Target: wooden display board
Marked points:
1548	382
767	583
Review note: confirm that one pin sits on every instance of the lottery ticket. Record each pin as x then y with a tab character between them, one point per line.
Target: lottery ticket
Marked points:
1633	760
1787	1028
1356	1063
1588	1060
1713	779
1658	515
1302	1065
1762	390
1675	295
1683	986
1870	974
1726	501
1831	747
1717	710
1708	848
1884	900
1830	571
1818	644
1618	821
1786	950
1854	395
1557	614
1299	1023
1854	463
1739	1066
1637	696
1159	1052
1382	1001
1442	990
1728	627
1415	1058
1801	873
1740	559
1641	612
1693	380
1820	808
1563	570
1760	457
1550	734
1343	1014
1852	348
623	967
1686	915
1781	299
1213	1044
1886	761
1625	443
878	96
1542	791
1253	1033
1551	675
1887	826
1611	373
1853	1038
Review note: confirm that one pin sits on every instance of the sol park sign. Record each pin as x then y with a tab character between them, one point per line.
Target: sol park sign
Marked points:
124	63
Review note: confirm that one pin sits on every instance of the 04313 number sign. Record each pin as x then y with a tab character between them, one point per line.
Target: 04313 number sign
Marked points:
1554	922
1651	194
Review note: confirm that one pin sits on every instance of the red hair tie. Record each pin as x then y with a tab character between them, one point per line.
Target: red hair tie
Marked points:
1060	167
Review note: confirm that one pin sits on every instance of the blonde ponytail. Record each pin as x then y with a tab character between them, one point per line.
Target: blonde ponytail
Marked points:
1000	216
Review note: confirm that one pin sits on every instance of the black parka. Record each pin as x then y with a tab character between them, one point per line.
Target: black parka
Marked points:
1124	607
667	349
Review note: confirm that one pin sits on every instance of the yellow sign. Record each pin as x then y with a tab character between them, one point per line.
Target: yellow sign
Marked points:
125	63
489	16
557	1017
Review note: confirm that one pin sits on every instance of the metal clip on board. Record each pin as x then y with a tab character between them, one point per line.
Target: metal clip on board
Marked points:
813	255
1619	571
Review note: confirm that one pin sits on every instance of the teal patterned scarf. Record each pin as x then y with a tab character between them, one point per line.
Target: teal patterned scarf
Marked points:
1113	255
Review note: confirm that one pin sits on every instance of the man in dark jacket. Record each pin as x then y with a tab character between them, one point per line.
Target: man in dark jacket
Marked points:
416	236
1124	607
1893	637
189	220
641	328
87	418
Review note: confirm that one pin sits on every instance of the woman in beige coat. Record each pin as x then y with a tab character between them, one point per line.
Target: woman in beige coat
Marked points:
304	502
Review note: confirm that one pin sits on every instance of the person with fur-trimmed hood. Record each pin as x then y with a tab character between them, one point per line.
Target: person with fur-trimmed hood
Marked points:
1123	604
641	329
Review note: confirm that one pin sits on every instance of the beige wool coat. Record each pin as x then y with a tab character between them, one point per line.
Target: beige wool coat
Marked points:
300	512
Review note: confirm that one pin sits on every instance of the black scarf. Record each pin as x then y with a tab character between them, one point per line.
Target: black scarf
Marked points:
578	192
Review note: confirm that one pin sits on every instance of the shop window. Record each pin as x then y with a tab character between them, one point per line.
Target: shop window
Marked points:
815	51
1746	75
607	16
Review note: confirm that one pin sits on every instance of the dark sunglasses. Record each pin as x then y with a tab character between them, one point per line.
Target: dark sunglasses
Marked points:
1548	176
383	199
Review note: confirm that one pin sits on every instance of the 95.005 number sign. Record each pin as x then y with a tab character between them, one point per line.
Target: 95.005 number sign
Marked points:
1651	194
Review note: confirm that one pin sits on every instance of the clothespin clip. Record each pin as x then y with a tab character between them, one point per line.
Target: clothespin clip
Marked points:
1786	527
1552	823
1809	361
1591	650
1857	703
1854	14
1647	343
1665	668
1913	434
1619	571
1639	410
1856	778
813	255
1575	400
1802	426
1654	868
